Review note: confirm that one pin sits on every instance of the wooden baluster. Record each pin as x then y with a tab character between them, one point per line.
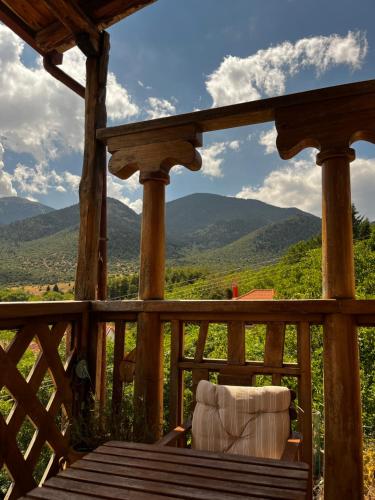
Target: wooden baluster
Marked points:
236	355
274	348
304	394
118	356
199	374
176	379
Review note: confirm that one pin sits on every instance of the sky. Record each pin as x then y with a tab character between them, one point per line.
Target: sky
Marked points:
177	56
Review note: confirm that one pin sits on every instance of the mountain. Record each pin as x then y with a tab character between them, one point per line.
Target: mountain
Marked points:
262	246
13	208
210	221
202	228
43	248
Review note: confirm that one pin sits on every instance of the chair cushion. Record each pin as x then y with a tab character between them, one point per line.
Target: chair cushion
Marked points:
250	421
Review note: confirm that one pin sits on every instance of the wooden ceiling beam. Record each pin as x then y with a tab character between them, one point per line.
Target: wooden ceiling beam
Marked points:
16	24
78	23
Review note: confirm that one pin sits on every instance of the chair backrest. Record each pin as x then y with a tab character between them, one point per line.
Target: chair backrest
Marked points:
250	421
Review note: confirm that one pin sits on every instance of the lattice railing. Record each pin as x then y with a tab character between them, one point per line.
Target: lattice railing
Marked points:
36	398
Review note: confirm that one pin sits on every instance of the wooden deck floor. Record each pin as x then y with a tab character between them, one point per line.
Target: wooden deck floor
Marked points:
138	471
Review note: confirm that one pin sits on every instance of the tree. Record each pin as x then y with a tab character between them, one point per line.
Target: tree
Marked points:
55	288
361	225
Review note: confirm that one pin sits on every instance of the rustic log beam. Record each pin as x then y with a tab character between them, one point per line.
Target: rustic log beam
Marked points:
92	192
332	128
79	24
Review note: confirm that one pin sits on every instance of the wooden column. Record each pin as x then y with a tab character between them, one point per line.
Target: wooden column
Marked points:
153	153
90	280
342	392
149	372
331	125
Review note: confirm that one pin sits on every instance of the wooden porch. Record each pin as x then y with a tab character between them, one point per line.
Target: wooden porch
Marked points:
71	336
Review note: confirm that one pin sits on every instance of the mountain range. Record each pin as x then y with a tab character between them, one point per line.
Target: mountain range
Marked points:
38	244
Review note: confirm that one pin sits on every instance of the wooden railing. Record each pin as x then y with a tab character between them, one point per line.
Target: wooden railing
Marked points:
43	343
38	348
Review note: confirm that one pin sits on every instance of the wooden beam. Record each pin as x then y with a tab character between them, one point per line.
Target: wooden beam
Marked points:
16	24
238	115
50	65
78	23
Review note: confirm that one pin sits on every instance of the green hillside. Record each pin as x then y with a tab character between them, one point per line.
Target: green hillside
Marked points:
262	245
214	230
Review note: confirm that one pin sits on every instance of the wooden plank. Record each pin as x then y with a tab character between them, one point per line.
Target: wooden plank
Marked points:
247	477
118	356
152	484
298	307
236	343
19	310
248	318
305	396
251	368
274	348
68	489
176	381
224	459
172	479
237	115
49	493
187	133
78	22
19	27
201	342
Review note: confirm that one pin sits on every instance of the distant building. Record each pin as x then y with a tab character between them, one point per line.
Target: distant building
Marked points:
256	294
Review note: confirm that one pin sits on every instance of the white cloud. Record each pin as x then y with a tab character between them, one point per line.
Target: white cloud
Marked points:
268	140
213	157
136	205
265	73
72	180
298	184
234	145
158	108
116	188
36	180
38	114
6	187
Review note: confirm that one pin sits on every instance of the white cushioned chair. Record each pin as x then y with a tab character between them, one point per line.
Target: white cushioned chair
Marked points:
252	421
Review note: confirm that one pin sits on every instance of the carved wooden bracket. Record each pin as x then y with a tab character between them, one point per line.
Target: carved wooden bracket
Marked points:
154	153
329	125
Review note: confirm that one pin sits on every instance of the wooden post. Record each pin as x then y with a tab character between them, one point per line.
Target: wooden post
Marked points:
92	192
332	125
343	471
148	388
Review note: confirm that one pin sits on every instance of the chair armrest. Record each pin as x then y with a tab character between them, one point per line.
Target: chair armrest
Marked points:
173	436
292	449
